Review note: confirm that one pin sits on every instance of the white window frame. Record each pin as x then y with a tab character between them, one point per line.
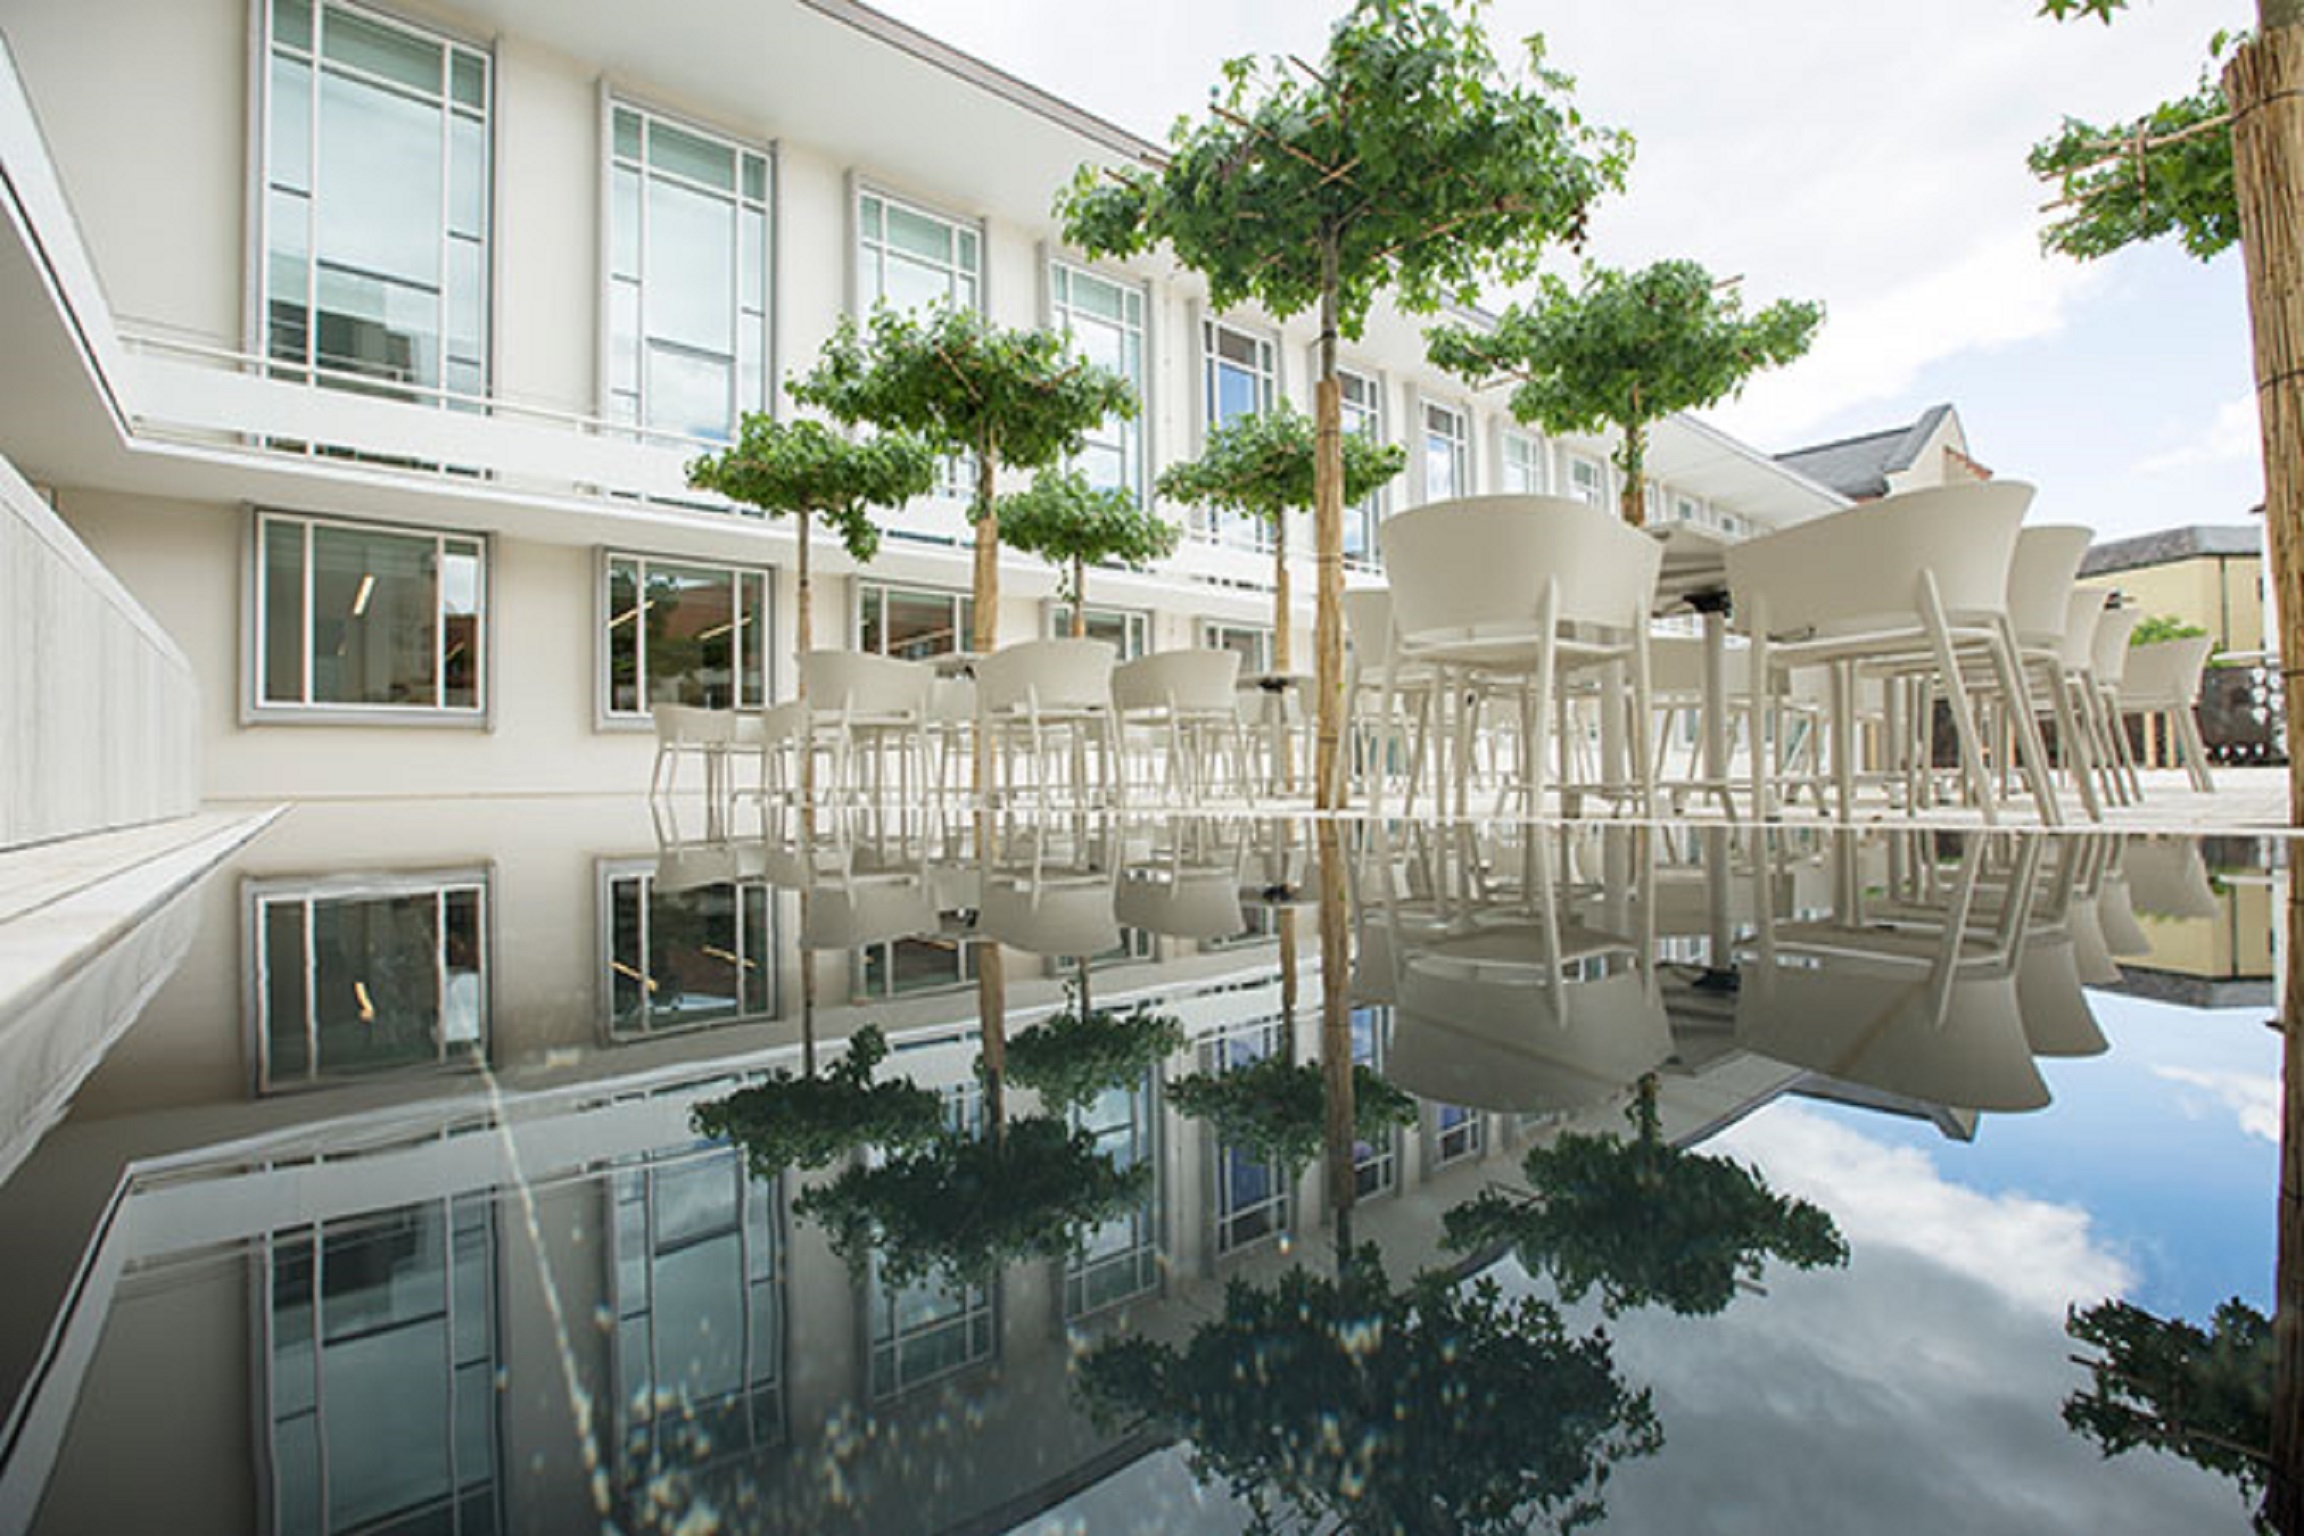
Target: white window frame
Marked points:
961	603
754	320
1574	486
1135	625
1278	1207
614	872
1212	637
257	709
1130	437
959	232
1239	530
1376	505
606	714
1521	453
1459	446
1131	1141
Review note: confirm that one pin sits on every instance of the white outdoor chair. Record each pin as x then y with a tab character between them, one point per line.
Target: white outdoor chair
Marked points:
2040	619
2107	666
861	702
1189	698
1522	589
1369	731
2163	679
687	728
1042	689
1909	584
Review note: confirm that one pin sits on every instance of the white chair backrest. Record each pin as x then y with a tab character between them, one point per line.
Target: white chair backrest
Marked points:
952	701
2084	614
2040	582
1676	667
2109	661
1046	674
1191	682
2165	672
1858	570
1368	625
1476	568
862	685
691	725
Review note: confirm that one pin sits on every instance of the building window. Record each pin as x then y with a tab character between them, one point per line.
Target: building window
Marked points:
697	1289
680	958
1363	415
1252	1196
1127	630
369	977
687	277
685	634
1375	1164
1457	1133
1687	509
1588	480
381	1347
913	624
1523	464
1252	641
900	967
1447	453
375	202
1243	379
1105	320
937	1324
1120	1259
357	617
907	257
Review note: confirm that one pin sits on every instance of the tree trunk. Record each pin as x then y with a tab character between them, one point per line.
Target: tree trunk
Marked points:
1283	597
803	639
984	633
2265	85
1634	502
1079	598
1328	541
1336	1034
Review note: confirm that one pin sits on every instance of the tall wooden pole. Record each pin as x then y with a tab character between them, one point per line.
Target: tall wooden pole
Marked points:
2265	85
1328	540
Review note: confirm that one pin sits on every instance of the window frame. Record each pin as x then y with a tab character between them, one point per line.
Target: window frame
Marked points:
605	715
1136	448
1373	508
611	873
864	189
742	151
961	604
1459	448
1207	524
1211	633
1574	491
257	709
1537	463
1135	625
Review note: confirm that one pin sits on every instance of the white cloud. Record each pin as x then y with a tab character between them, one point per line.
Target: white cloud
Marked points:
2230	438
2254	1098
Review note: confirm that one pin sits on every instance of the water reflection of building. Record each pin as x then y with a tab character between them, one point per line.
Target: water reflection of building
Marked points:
413	1287
2204	913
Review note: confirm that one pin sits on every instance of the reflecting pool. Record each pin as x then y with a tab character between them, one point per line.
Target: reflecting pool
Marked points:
574	1165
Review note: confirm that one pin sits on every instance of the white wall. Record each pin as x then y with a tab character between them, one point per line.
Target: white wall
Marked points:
97	704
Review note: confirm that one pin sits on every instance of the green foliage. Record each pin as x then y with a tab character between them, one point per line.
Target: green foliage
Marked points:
1408	159
968	1205
1019	398
2168	172
2205	1395
1070	1058
1646	1222
2065	10
1354	1406
1627	349
1278	1111
1069	523
810	1122
805	467
2163	626
1263	465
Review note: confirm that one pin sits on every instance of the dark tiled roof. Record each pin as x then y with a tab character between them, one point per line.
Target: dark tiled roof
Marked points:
1860	466
2170	545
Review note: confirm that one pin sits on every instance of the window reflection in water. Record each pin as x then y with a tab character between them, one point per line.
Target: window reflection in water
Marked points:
1251	1194
1120	1259
681	958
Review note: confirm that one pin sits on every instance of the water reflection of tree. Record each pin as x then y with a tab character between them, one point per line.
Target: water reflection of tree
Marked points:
1071	1057
2204	1394
812	1121
1349	1403
1645	1221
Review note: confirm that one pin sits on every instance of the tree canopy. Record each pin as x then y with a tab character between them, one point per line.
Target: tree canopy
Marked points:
1071	1057
1073	525
2168	172
1355	1406
1646	1222
1278	1110
811	1122
807	469
1626	350
1263	465
2204	1394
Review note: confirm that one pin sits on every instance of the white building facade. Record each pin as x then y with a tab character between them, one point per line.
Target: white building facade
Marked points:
367	346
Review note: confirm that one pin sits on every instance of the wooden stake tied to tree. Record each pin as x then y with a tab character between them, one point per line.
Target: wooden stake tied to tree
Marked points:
1073	525
1408	160
1266	466
1626	350
1020	398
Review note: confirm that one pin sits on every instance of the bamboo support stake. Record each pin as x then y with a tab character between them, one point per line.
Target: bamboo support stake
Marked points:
2265	85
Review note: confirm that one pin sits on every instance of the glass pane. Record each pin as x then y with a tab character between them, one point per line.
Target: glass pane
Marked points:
688	393
752	260
475	1413
754	632
467	176
467	284
294	1389
464	990
686	154
918	235
292	23
291	135
631	984
967	254
920	625
756	178
1093	296
468	79
623	638
690	624
374	613
376	982
696	1200
349	38
296	1473
379	178
692	958
908	284
691	268
624	336
751	364
868	214
388	1409
283	612
287	1046
460	598
758	997
700	1313
627	134
287	276
384	329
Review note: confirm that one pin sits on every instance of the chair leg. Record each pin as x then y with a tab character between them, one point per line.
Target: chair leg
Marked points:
1955	695
2187	724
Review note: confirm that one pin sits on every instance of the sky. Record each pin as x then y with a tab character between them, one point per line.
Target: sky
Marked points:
1867	155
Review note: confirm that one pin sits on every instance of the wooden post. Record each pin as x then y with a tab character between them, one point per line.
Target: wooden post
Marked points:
2265	85
1328	543
1342	1178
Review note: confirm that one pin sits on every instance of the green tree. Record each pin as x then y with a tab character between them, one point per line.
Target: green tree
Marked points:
1278	1109
806	469
1407	159
1266	466
1072	525
1071	1057
1020	398
2167	173
1354	1406
1645	1221
812	1122
2163	626
1626	350
2204	1394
